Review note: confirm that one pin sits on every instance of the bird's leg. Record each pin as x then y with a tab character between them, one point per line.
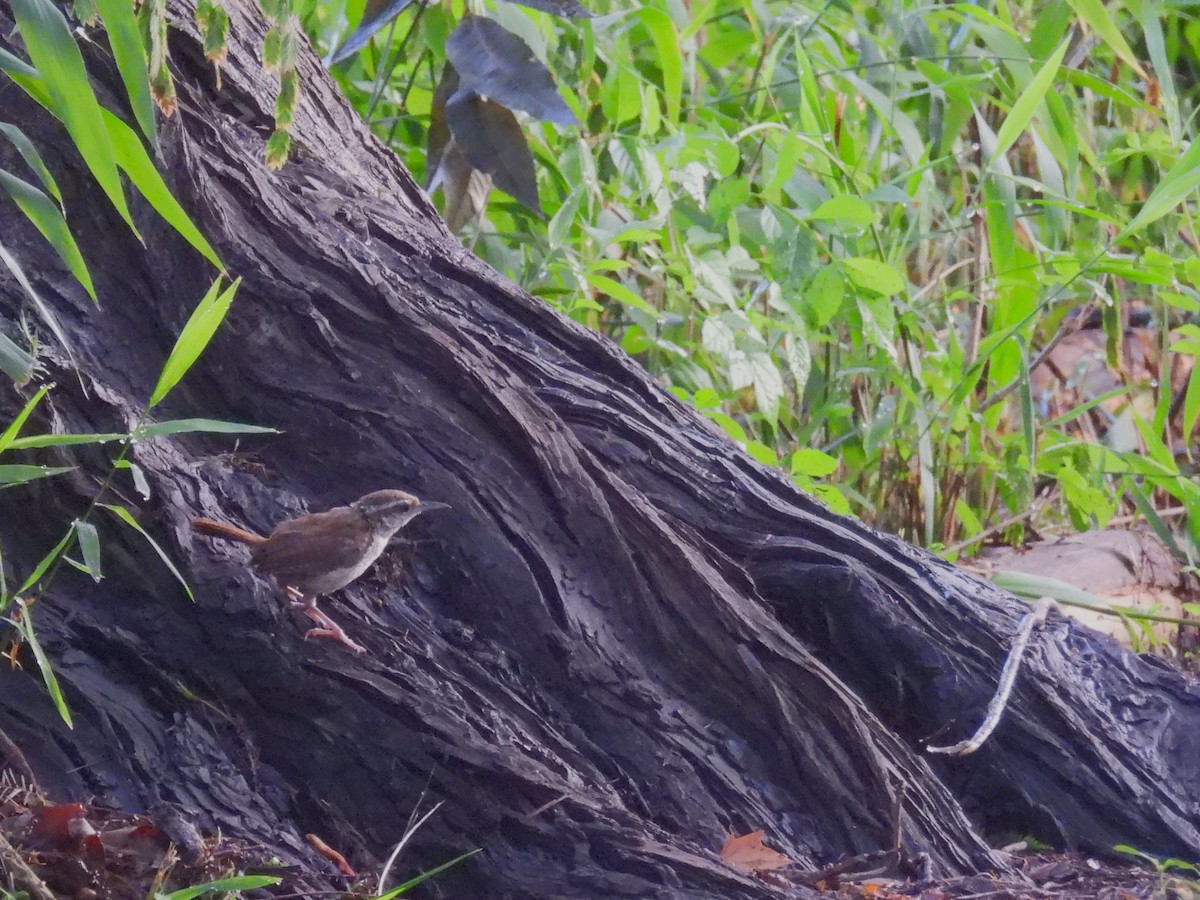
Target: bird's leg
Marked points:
326	627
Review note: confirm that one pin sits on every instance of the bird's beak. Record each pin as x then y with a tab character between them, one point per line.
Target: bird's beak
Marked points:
427	505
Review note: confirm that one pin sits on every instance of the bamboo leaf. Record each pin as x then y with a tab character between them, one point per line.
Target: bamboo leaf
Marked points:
136	163
46	215
43	310
89	546
56	57
124	515
24	624
32	158
14	428
194	338
1031	98
211	426
130	53
20	474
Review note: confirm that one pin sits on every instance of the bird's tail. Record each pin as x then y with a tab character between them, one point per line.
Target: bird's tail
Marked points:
225	530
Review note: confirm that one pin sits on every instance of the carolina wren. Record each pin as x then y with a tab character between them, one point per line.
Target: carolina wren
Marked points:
323	552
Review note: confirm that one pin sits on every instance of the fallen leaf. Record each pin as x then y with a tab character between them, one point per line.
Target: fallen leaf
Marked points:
749	854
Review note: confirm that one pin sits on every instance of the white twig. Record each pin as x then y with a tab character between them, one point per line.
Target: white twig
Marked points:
1008	675
408	833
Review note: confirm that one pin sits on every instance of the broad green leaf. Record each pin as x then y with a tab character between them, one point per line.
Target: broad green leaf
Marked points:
130	54
46	215
211	426
124	515
19	474
89	546
874	275
14	428
845	208
32	158
24	623
1031	98
136	163
813	462
825	294
670	56
56	57
495	63
194	338
618	291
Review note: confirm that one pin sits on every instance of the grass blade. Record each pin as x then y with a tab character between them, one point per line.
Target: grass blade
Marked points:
14	361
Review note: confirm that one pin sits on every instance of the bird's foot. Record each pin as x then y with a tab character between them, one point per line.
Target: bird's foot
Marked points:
327	628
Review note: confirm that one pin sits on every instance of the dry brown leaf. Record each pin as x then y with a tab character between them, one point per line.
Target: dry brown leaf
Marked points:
749	854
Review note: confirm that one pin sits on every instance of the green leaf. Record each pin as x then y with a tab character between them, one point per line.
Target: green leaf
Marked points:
874	275
211	426
32	158
1031	98
813	462
845	208
618	291
223	885
1095	14
56	57
124	515
14	428
46	561
89	546
126	41
46	215
194	338
139	167
670	57
825	294
24	624
16	474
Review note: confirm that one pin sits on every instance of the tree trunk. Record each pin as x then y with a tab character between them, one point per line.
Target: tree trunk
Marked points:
624	641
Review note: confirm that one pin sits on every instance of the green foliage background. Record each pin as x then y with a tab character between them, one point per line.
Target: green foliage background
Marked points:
793	214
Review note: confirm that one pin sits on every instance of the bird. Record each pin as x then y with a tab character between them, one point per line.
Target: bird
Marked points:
320	553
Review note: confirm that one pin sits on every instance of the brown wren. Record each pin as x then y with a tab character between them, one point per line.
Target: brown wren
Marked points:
323	552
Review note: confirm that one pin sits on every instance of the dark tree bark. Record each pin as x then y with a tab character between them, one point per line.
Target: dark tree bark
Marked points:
626	640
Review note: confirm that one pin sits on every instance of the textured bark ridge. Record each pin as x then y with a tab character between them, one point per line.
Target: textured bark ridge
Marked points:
626	640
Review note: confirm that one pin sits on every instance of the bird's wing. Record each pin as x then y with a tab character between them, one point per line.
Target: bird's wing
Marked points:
288	553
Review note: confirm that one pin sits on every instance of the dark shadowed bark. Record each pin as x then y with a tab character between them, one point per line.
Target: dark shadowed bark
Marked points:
625	640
